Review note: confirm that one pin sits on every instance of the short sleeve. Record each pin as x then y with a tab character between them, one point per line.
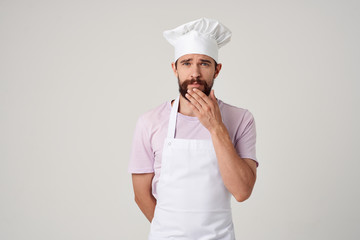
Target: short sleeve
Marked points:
142	156
246	143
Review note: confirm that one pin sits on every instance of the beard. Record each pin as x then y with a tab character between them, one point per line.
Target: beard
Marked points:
184	86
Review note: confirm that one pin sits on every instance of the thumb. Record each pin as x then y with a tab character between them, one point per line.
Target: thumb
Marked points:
212	95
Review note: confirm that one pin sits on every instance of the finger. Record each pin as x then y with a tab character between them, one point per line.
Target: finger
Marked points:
212	96
202	95
214	99
194	109
199	96
193	102
206	102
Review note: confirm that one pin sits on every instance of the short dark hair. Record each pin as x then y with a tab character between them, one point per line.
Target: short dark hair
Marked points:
213	59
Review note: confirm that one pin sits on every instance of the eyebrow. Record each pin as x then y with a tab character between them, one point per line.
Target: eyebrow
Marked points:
190	59
204	60
186	60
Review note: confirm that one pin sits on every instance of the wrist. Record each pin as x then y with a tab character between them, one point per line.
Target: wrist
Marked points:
219	129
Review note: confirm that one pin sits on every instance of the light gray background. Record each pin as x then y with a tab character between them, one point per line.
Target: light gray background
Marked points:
75	75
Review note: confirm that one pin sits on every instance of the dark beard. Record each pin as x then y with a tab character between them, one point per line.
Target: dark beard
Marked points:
184	86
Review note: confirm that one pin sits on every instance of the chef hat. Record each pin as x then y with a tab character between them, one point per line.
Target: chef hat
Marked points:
202	36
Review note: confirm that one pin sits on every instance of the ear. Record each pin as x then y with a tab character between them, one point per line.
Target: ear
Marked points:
174	69
217	70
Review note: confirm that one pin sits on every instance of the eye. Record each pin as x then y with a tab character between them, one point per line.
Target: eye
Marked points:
186	64
204	64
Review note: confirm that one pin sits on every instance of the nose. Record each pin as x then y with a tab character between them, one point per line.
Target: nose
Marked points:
195	71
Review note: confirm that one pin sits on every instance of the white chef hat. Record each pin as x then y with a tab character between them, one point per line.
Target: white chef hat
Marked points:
202	36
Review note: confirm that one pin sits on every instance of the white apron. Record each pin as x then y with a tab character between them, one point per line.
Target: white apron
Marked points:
192	202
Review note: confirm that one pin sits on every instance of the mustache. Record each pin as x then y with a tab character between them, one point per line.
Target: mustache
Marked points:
192	81
183	87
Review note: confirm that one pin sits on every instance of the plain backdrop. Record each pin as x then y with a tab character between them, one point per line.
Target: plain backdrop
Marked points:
75	75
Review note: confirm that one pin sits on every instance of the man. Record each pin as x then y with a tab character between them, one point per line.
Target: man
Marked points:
191	154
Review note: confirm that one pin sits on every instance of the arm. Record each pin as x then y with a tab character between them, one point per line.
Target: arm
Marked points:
143	194
238	174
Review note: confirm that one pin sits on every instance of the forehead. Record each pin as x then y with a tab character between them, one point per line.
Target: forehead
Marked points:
195	57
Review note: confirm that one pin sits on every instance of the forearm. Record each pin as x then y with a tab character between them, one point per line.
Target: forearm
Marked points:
147	205
143	194
236	173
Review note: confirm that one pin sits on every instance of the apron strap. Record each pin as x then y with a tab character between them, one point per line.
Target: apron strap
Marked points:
172	121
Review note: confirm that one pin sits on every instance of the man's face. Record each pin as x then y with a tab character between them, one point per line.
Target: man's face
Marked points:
196	71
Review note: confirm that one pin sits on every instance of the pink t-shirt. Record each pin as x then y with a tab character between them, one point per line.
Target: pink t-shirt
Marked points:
151	131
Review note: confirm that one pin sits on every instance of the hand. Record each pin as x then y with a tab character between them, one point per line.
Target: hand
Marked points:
205	108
